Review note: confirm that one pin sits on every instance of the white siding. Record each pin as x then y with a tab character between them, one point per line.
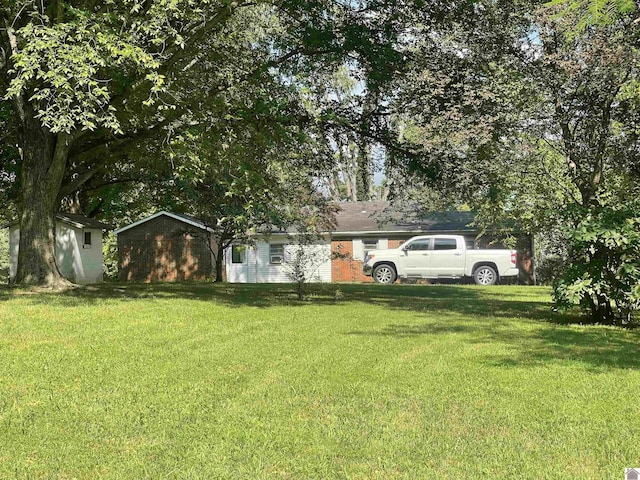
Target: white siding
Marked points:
265	271
78	264
236	272
91	256
68	254
259	269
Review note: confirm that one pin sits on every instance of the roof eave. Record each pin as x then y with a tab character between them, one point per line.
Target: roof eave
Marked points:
158	214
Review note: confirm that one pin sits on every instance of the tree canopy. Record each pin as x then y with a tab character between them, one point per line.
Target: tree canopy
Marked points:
95	87
536	121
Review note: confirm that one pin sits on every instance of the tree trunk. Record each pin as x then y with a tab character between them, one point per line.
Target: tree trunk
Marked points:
219	259
44	162
602	311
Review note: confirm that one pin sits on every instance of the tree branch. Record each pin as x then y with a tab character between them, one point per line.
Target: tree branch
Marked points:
117	181
198	34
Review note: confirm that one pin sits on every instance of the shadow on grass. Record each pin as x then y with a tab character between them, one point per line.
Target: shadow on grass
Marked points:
465	300
95	294
597	348
478	315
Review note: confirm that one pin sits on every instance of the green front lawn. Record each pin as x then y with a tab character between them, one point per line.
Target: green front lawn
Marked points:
204	381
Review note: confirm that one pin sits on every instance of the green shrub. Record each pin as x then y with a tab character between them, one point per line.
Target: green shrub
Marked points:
110	257
550	269
603	273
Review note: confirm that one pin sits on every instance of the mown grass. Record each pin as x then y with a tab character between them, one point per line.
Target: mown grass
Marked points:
218	381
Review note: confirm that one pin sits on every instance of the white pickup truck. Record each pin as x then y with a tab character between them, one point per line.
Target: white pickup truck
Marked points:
439	256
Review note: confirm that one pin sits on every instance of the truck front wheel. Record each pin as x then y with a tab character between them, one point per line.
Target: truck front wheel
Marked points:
485	275
384	273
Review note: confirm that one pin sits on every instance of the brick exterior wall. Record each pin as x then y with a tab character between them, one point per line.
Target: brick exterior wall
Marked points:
344	268
164	250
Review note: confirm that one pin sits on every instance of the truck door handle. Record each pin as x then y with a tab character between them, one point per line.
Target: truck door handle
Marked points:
458	254
425	254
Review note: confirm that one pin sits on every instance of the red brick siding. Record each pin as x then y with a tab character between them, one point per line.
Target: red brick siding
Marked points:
343	267
163	250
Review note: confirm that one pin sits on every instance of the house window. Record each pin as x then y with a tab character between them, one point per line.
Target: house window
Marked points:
238	254
445	244
369	245
86	243
276	253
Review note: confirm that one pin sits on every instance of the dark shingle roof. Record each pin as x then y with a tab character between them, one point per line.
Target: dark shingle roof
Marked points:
379	216
82	221
178	216
359	216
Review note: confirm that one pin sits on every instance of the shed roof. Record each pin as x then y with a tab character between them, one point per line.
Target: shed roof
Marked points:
379	216
79	221
194	222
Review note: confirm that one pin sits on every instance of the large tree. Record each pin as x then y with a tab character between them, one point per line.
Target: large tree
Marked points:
91	84
534	119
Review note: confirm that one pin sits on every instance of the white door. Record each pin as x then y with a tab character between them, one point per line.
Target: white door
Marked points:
237	265
415	258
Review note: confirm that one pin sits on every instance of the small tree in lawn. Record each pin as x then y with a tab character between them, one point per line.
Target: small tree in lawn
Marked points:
306	257
306	254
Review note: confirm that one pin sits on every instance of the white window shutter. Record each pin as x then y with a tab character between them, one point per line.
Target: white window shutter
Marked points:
383	244
358	249
289	253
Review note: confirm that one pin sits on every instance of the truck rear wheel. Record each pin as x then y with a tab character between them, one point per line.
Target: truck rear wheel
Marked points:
485	275
384	273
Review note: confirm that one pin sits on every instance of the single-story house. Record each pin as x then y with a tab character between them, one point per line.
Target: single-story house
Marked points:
168	246
165	247
359	227
78	248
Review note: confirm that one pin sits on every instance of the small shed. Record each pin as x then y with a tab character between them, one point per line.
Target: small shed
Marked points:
165	247
78	248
